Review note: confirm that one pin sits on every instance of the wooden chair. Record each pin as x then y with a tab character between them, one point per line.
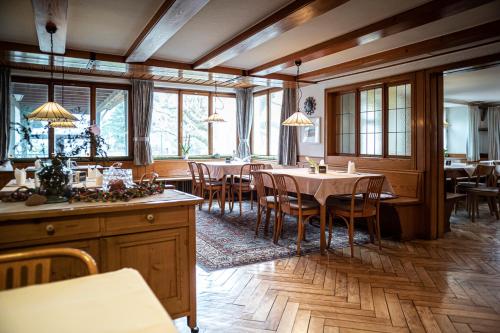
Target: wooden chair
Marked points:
212	186
491	193
196	184
265	201
294	206
359	205
34	267
243	183
480	178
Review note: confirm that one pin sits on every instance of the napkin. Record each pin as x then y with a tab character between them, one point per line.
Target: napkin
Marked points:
91	172
322	162
98	178
351	167
20	175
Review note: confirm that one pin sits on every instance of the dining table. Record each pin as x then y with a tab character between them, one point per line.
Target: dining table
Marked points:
221	170
118	301
323	185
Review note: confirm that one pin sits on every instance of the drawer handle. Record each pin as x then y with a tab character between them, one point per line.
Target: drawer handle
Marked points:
50	229
150	218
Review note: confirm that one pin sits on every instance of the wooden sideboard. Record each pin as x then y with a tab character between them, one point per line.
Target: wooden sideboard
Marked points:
155	235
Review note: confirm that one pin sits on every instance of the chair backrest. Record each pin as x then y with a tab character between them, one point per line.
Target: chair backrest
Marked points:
193	170
204	174
484	171
34	267
259	181
248	169
282	191
371	193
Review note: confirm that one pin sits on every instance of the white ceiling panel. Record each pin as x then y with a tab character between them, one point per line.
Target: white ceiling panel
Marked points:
474	86
16	22
217	22
470	18
345	18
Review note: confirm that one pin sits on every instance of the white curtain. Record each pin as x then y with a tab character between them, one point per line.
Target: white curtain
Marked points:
244	120
494	133
473	133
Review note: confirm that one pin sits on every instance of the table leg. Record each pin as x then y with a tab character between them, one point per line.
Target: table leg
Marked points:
223	195
322	227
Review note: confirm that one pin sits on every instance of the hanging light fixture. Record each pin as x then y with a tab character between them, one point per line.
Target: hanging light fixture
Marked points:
62	124
51	111
298	118
215	117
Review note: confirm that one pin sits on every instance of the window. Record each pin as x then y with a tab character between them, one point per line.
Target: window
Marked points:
109	110
164	137
25	98
77	101
370	132
112	119
259	130
374	121
275	122
266	122
345	124
399	128
195	130
224	134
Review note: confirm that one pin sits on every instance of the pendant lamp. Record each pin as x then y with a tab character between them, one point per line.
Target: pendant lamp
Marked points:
298	118
215	117
51	111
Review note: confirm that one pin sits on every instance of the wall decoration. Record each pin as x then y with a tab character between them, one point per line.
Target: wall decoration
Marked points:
311	134
310	105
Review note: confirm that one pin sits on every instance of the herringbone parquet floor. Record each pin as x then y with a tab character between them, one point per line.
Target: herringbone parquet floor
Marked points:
447	285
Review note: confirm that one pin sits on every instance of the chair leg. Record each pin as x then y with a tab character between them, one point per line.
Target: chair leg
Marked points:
330	229
259	218
240	198
300	231
377	225
210	198
251	199
268	218
351	235
277	227
371	223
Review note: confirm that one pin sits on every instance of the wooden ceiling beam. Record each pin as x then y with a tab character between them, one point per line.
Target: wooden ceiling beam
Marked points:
418	16
489	31
55	11
170	17
293	15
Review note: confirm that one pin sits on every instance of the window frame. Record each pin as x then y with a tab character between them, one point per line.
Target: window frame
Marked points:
268	93
180	112
385	117
93	86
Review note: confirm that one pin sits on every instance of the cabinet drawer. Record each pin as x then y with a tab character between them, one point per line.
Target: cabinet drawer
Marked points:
47	228
174	216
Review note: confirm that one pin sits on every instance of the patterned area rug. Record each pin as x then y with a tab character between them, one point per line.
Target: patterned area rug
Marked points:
229	240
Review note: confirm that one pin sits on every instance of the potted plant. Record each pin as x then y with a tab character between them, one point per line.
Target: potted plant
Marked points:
186	147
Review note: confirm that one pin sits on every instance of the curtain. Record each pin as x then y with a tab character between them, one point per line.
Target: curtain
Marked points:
244	119
473	133
4	113
287	154
494	133
142	108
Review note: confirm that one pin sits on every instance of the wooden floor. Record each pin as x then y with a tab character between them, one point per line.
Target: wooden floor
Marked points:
448	285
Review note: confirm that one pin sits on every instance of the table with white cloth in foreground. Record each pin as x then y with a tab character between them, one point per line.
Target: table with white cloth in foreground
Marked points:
323	185
220	170
114	302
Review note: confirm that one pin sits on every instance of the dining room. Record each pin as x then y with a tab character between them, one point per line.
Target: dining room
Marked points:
250	166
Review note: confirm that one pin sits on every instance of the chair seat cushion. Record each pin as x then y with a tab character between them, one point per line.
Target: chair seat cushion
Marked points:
214	183
306	204
486	190
470	184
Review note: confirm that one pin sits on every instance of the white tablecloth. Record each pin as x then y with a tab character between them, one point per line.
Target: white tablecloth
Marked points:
322	185
467	168
220	169
115	302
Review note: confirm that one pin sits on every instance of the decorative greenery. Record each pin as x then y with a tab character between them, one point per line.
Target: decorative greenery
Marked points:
27	136
90	138
54	177
186	145
122	194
